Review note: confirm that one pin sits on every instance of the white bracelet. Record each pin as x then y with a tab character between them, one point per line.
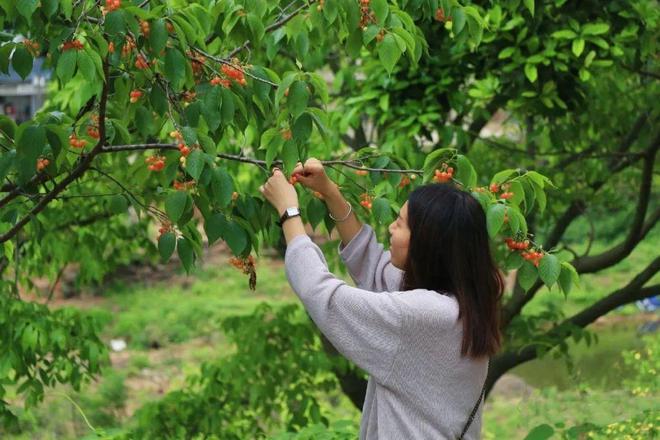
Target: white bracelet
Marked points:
350	208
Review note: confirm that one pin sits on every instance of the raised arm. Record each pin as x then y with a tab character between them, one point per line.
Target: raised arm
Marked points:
313	176
366	327
368	263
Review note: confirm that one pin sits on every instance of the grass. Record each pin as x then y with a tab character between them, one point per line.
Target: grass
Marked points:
181	317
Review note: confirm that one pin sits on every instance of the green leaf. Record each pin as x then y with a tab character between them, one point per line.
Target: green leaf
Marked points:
595	29
564	34
144	121
530	72
290	156
458	22
513	261
527	275
506	52
228	106
541	432
549	269
529	4
158	35
86	66
298	98
166	245
316	211
195	163
577	46
118	204
175	67
222	186
236	238
302	128
27	7
66	65
495	218
382	210
565	279
380	10
215	227
30	143
114	23
175	204
185	252
502	176
22	61
389	52
465	173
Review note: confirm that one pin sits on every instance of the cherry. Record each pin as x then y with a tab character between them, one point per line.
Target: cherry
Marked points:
494	188
506	195
42	163
135	96
141	63
112	5
286	134
93	132
361	172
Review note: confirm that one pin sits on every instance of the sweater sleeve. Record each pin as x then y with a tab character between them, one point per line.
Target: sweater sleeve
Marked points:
368	263
363	326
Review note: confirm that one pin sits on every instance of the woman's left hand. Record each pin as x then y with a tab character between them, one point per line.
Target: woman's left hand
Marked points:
279	192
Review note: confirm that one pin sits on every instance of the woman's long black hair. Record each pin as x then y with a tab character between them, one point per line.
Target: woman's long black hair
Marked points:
449	251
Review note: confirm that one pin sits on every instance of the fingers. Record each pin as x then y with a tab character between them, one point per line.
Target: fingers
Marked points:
299	169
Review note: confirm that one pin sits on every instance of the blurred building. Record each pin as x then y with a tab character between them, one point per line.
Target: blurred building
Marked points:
21	98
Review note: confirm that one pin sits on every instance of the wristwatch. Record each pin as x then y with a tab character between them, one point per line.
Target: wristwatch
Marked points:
290	212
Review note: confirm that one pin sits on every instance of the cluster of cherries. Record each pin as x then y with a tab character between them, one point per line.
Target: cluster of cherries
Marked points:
135	96
244	264
93	131
156	162
145	28
183	149
112	5
286	134
42	163
366	14
217	81
234	73
445	174
164	228
440	15
32	46
141	63
365	200
530	255
73	44
183	186
495	188
75	142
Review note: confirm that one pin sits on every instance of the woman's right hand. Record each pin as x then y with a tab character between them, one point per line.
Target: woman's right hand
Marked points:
312	175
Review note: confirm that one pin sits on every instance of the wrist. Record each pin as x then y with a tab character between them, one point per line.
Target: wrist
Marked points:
332	192
282	209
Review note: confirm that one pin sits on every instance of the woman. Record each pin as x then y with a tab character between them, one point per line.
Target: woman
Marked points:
423	317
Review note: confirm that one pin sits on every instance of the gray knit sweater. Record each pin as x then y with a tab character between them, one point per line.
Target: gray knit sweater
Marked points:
407	341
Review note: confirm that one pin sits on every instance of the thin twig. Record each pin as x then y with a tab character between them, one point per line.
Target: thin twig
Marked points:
245	159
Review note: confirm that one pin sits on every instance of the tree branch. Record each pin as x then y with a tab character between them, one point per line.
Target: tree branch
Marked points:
348	163
632	292
614	255
84	164
279	23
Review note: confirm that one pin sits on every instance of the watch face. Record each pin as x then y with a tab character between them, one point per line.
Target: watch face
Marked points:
292	211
